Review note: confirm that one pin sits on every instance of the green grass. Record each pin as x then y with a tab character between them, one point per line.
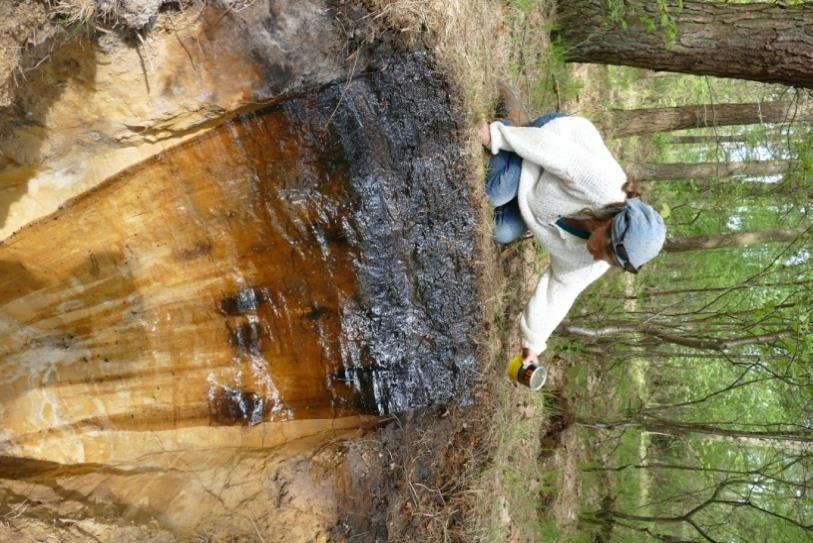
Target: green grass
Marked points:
536	66
511	485
557	86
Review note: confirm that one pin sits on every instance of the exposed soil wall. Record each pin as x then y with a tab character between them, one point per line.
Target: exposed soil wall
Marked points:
384	117
100	103
30	30
26	33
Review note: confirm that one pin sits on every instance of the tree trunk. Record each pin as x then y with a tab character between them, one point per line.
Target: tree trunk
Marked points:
743	239
757	41
699	170
648	294
711	139
713	344
634	122
665	426
747	191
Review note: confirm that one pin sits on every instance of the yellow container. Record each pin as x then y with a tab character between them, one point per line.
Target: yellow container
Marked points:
530	375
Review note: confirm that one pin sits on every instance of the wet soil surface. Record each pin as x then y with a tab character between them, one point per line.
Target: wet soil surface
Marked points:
417	261
330	236
412	337
417	271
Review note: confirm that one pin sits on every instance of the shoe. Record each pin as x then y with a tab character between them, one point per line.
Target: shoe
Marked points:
511	107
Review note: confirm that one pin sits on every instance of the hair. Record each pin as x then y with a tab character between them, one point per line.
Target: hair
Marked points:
631	188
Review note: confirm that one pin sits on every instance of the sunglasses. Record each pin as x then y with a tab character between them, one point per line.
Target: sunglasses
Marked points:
621	253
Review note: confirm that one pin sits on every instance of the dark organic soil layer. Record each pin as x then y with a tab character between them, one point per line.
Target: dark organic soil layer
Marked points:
418	319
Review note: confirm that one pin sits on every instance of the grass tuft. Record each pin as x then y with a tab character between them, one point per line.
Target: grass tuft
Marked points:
93	15
74	12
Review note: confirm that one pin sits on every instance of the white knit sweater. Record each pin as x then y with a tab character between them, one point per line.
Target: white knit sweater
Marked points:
566	167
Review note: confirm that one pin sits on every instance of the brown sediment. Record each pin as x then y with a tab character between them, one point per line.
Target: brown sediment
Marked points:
145	278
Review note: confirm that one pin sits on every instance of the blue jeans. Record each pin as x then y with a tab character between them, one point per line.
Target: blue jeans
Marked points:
502	183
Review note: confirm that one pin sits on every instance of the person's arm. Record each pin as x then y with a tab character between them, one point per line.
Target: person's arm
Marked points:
568	147
550	303
547	307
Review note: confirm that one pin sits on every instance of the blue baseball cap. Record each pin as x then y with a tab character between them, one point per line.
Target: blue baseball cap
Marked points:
638	234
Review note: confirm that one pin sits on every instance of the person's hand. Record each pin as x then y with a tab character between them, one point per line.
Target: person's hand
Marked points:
529	357
485	134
